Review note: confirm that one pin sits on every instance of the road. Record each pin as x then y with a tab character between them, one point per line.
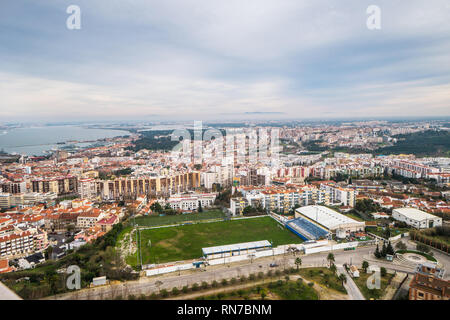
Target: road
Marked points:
168	281
351	287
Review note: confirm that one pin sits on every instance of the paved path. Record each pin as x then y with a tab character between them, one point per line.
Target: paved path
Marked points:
352	289
7	294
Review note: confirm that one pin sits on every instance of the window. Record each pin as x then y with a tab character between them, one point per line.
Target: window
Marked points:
420	294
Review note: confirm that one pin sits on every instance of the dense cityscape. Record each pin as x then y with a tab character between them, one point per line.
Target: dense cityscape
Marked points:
230	159
142	210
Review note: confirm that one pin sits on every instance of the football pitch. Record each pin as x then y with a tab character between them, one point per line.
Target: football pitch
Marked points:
186	242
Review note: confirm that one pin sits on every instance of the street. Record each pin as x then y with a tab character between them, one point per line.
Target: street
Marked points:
154	284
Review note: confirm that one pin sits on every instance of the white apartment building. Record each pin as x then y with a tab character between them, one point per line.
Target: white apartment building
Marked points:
16	244
190	202
89	219
87	188
338	195
5	200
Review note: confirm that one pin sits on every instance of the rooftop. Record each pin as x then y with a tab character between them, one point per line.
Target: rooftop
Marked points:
326	216
236	247
415	214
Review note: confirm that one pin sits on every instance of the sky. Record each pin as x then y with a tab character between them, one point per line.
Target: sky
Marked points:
223	60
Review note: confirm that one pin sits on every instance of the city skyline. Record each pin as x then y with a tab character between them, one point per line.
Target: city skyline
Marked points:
186	60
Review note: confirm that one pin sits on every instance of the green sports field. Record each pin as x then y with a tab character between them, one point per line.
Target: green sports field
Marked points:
186	242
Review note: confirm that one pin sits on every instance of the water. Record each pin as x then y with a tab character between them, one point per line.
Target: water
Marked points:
36	140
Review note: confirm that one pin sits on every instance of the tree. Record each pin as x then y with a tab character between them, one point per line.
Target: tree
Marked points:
330	258
156	207
263	293
200	209
298	262
383	250
387	233
377	252
333	268
390	249
365	265
383	271
158	285
343	278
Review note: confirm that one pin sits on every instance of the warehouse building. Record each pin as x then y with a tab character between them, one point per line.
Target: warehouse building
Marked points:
329	219
416	218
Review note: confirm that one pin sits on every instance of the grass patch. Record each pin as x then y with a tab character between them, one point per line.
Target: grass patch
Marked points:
361	282
186	242
381	233
354	216
278	290
323	276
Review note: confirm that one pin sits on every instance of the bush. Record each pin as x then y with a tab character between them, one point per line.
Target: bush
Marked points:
269	273
195	287
224	282
286	278
175	291
243	278
422	247
164	293
185	289
153	296
277	273
233	280
383	271
131	297
260	275
204	285
215	284
252	277
311	284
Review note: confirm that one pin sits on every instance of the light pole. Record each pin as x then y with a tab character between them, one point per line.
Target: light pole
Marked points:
140	247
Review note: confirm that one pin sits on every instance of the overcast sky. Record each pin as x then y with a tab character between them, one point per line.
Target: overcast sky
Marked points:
223	59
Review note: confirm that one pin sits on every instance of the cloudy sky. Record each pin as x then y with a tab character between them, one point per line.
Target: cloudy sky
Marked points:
217	59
